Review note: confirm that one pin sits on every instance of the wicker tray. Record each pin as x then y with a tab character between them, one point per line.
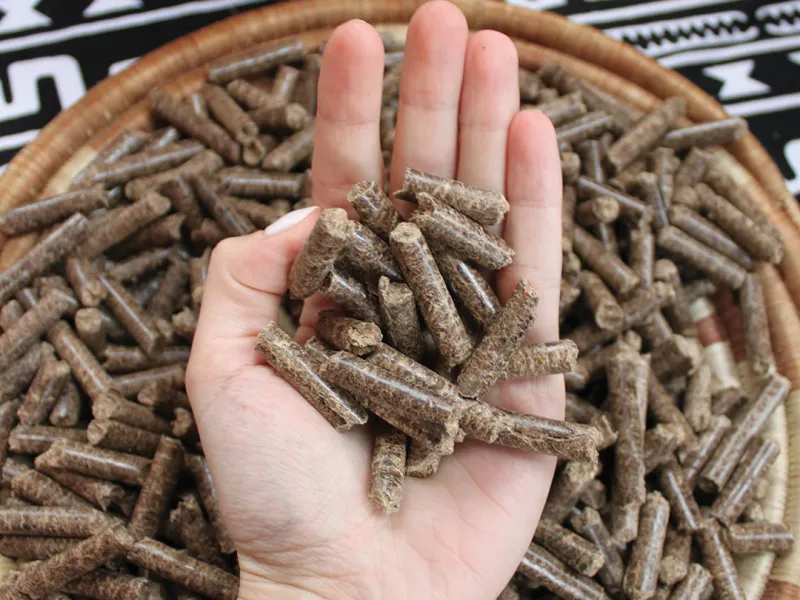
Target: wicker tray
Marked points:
48	164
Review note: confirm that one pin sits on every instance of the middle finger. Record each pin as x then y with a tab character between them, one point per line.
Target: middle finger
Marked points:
426	135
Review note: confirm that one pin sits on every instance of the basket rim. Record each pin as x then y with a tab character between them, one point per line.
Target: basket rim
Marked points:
29	167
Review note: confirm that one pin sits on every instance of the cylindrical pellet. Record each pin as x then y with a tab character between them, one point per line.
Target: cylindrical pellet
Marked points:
568	201
571	548
224	213
446	228
83	278
86	556
588	126
30	327
717	266
29	547
41	489
600	209
430	292
198	467
675	560
503	337
567	488
114	406
747	233
713	133
399	316
291	362
704	231
158	488
121	359
627	377
718	560
694	460
567	441
367	255
84	459
536	360
659	444
225	110
321	249
386	395
388	470
642	253
641	576
177	113
757	345
545	570
663	409
194	532
293	150
484	206
590	525
42	213
759	536
470	287
608	266
100	585
344	333
281	117
374	208
646	133
650	192
240	181
133	317
50	521
748	425
695	585
124	223
43	393
741	488
171	289
697	402
170	564
564	109
632	209
685	511
259	60
150	162
607	311
41	258
113	435
24	439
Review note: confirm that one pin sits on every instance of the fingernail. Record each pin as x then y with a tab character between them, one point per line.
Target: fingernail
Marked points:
289	220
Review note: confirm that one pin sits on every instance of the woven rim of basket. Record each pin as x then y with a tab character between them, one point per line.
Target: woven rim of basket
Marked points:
47	165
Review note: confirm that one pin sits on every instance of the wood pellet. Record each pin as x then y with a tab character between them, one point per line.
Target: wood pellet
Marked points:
93	364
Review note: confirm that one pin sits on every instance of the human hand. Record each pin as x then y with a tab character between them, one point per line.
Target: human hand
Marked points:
293	491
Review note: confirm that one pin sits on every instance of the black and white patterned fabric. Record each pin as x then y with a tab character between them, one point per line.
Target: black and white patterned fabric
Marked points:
744	52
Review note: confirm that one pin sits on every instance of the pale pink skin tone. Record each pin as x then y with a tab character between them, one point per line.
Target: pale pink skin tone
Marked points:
294	491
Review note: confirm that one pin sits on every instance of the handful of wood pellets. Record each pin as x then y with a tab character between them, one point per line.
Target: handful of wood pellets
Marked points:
664	459
381	272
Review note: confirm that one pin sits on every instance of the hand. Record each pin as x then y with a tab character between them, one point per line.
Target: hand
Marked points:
292	490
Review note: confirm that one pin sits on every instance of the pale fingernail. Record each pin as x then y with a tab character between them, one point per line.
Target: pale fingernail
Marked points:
289	220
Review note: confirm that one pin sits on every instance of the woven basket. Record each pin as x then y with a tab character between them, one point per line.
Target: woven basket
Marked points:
48	164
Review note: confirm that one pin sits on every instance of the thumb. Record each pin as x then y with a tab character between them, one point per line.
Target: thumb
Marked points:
247	276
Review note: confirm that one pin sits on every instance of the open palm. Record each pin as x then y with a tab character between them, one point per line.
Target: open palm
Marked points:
294	491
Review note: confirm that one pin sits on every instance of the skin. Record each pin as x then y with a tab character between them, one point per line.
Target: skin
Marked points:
292	490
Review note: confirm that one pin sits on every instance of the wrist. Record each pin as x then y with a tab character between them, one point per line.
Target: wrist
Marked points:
258	582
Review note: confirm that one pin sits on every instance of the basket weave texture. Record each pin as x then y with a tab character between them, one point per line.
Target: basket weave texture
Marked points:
47	165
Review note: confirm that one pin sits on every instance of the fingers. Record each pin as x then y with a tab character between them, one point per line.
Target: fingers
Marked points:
489	101
426	133
533	230
246	278
347	140
533	225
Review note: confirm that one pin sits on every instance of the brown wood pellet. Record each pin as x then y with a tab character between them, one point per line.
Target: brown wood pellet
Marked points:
639	191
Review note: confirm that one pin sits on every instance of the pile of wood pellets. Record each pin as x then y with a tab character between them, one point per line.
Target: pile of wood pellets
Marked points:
662	460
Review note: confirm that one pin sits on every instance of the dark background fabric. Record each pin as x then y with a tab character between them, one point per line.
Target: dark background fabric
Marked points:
744	52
